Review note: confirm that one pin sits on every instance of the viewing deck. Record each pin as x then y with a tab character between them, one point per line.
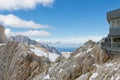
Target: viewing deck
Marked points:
114	31
115	46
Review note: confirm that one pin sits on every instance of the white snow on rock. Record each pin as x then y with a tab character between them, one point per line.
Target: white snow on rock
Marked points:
74	65
92	55
89	50
112	78
118	78
77	55
53	57
115	69
46	77
2	44
82	77
60	70
39	52
109	64
96	65
94	75
66	54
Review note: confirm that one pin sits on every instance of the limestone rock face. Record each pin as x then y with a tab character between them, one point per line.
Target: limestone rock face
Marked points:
18	63
27	40
82	61
2	34
89	62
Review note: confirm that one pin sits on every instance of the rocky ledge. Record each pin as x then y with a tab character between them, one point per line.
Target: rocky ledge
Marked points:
89	62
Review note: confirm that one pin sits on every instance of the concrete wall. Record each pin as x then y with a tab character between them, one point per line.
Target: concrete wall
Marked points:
113	14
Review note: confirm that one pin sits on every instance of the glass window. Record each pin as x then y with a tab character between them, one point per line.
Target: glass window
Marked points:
115	23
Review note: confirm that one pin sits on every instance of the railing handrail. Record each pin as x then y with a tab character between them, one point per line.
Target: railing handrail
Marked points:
112	46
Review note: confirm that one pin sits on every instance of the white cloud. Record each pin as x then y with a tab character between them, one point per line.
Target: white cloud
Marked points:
31	33
72	40
24	4
16	22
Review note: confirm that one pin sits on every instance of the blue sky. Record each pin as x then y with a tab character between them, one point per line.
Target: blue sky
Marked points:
65	21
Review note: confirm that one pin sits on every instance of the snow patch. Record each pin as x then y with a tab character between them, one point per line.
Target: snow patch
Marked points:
65	62
46	77
112	78
94	75
92	55
66	54
96	65
39	52
89	50
77	55
82	77
115	69
74	65
60	70
118	78
53	56
108	65
2	44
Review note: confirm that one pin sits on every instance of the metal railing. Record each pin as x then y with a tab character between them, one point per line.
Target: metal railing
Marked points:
114	31
114	46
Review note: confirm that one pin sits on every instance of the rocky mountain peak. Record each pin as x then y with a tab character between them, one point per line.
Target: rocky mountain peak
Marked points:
90	42
28	41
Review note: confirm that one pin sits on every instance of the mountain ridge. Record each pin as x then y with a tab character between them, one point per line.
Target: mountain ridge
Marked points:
89	62
27	40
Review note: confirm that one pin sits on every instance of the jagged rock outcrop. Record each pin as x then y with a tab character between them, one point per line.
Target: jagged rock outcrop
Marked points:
89	62
2	34
17	62
80	62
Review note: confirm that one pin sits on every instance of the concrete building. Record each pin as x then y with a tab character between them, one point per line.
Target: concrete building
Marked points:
112	42
2	34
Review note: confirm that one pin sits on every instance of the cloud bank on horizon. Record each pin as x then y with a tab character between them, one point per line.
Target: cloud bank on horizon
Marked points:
72	40
24	4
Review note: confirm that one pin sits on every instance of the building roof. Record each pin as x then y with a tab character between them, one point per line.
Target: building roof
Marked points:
113	14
